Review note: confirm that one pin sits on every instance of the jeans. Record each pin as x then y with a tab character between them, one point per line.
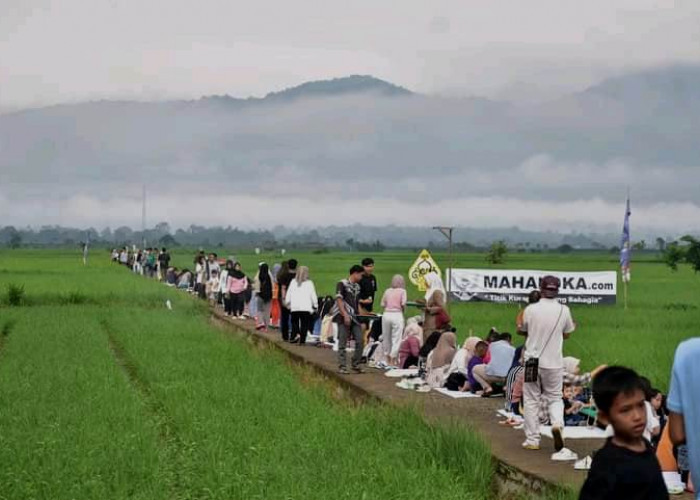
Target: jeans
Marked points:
344	332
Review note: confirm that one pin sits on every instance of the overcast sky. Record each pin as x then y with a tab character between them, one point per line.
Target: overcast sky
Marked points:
65	50
76	50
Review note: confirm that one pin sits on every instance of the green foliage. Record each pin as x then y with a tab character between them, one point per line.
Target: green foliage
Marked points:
673	255
692	253
497	252
15	294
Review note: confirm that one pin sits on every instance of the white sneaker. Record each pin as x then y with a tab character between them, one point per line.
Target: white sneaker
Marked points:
584	463
404	384
564	455
423	388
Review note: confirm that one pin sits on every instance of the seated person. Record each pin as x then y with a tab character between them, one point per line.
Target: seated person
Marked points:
477	359
409	349
457	382
439	360
571	407
492	336
496	369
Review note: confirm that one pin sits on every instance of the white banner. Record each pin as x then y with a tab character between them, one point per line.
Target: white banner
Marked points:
511	285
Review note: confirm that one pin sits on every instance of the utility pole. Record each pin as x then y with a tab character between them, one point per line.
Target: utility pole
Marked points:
143	219
446	231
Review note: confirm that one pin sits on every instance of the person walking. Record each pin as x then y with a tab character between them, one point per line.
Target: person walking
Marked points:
237	285
344	312
683	403
302	301
262	286
546	323
284	278
393	302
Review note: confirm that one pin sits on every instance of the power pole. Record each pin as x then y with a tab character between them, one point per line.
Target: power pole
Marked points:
446	231
143	220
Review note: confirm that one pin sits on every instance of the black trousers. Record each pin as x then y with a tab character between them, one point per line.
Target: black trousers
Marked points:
228	303
301	323
237	303
284	322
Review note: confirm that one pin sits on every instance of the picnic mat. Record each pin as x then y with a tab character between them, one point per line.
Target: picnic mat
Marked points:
456	394
400	373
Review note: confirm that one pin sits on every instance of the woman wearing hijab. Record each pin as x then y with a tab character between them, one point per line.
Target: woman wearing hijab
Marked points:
224	287
393	302
440	359
263	292
409	349
433	282
237	283
463	355
302	301
435	315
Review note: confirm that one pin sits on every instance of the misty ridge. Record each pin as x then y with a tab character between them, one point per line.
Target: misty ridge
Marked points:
360	138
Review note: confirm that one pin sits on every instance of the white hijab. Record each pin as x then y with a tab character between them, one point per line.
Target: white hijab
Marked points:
434	282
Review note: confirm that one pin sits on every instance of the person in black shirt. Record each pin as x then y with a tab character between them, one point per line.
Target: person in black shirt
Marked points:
368	286
626	467
284	278
164	262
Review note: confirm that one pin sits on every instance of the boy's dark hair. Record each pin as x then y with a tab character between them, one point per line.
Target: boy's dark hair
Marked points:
215	256
567	385
455	381
163	249
292	264
367	261
356	269
481	345
611	382
505	336
534	297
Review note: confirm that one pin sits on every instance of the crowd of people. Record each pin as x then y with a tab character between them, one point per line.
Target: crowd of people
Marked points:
539	384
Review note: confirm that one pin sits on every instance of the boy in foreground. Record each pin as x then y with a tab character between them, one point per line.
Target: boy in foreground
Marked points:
626	467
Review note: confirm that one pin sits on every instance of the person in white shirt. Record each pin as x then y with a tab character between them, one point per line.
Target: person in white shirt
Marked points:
546	323
302	301
496	370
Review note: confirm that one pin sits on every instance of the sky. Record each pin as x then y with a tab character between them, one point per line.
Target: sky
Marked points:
71	51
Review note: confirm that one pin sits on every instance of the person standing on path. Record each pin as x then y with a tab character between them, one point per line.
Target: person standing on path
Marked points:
284	278
546	323
302	301
344	313
393	302
263	295
368	289
683	403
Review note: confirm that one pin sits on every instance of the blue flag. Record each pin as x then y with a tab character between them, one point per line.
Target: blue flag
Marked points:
625	248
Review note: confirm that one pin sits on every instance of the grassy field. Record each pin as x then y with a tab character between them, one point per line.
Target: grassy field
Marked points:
664	306
104	393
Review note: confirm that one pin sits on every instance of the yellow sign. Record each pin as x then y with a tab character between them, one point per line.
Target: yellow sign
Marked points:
423	265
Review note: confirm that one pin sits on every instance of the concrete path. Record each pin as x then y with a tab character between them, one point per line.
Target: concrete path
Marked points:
533	470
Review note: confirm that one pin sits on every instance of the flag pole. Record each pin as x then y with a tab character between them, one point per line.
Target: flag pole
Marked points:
626	249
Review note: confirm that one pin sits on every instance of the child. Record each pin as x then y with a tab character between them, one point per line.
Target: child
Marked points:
571	406
478	359
213	286
626	467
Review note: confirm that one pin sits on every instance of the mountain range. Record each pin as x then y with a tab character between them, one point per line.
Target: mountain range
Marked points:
361	138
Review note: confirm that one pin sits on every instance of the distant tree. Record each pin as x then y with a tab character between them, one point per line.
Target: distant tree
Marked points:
660	244
565	248
692	252
673	254
640	245
614	250
497	252
168	241
15	240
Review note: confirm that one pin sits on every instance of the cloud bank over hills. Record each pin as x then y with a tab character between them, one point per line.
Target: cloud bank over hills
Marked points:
359	149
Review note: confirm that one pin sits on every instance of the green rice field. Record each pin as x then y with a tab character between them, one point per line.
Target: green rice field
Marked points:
106	394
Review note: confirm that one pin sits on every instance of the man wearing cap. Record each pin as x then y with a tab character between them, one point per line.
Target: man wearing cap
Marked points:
546	323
